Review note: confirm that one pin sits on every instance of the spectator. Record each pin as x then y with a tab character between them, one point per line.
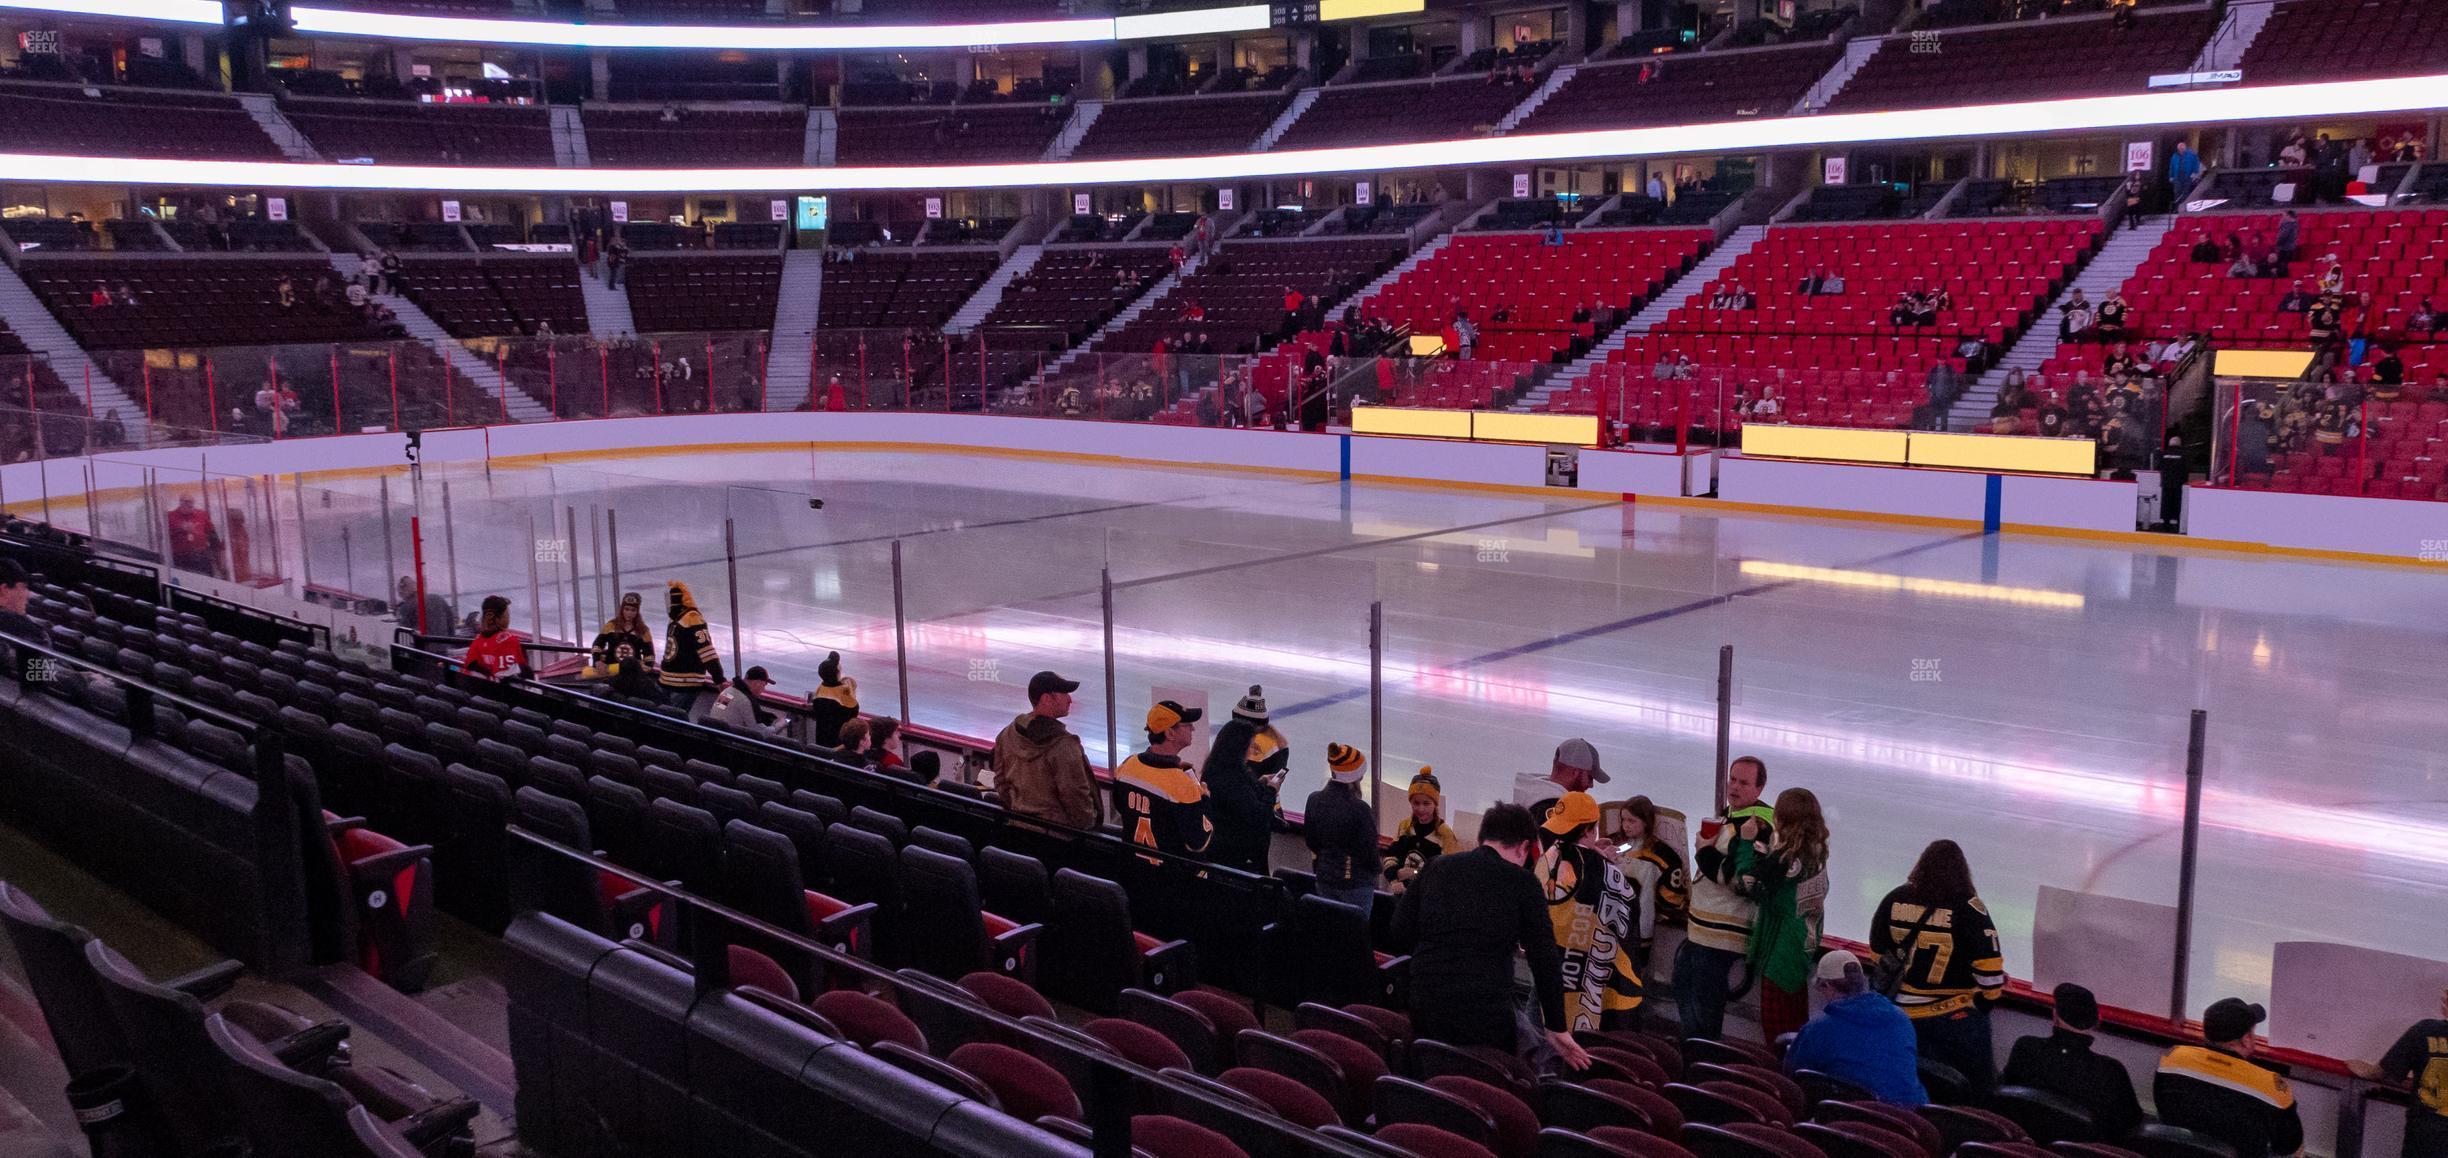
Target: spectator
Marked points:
16	589
736	704
616	259
2290	228
853	747
926	768
1859	1037
1656	868
1934	936
438	618
1811	282
2184	168
1657	187
2113	317
1590	904
883	732
370	272
2297	300
2206	252
692	669
1466	335
1574	769
2387	373
195	545
833	703
285	294
1243	773
1721	915
2243	267
2077	317
2219	1090
2420	1057
2425	323
1464	918
632	676
100	298
1422	837
357	298
2063	1063
1040	768
1789	883
1158	802
113	431
1342	832
390	270
2133	200
497	653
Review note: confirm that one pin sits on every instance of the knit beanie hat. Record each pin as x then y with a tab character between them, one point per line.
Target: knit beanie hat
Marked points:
1345	762
1425	784
830	670
1252	706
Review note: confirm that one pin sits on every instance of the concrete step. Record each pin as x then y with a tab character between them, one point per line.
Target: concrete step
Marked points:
607	308
791	357
1283	121
1651	313
990	294
42	333
515	402
266	113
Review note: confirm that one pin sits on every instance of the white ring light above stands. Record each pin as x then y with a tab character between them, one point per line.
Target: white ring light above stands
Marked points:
763	37
2137	111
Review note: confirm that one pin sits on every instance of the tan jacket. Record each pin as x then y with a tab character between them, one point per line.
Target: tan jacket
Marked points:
1041	771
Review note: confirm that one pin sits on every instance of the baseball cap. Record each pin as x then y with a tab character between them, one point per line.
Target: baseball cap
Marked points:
755	673
2076	1007
1571	811
1832	965
2229	1018
1166	713
1046	683
1577	753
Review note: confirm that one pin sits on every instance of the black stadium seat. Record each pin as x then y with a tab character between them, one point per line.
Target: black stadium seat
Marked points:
762	876
288	1114
1093	953
941	896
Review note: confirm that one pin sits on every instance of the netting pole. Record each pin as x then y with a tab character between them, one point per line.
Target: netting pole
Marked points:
900	633
535	594
612	533
272	379
947	360
569	551
395	415
862	375
595	546
552	377
2362	446
2235	424
731	567
764	370
297	490
709	375
416	546
658	377
1725	718
450	399
338	426
501	375
1113	733
390	561
450	542
146	364
603	364
212	397
1376	629
2189	859
89	390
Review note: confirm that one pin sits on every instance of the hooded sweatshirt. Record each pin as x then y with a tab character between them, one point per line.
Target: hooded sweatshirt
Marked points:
1863	1039
1041	771
689	658
833	703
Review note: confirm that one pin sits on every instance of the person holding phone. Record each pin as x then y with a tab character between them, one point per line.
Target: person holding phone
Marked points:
1244	774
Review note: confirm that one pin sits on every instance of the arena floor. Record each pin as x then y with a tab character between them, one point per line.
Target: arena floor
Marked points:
2025	696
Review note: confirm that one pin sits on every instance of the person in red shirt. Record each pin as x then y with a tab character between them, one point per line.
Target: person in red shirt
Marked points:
497	653
194	544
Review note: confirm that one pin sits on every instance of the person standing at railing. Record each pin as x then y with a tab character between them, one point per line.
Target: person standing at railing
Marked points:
1939	954
497	653
1039	766
2420	1057
1341	831
833	703
628	625
692	668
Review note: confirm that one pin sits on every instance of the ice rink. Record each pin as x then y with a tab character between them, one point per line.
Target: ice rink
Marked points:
2026	696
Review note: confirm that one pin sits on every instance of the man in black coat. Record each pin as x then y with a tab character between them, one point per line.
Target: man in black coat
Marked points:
1465	916
2062	1063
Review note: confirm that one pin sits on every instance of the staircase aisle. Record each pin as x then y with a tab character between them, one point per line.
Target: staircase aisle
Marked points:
25	314
792	357
2117	259
463	361
1652	313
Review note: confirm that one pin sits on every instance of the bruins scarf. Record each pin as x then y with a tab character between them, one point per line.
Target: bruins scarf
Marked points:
1592	905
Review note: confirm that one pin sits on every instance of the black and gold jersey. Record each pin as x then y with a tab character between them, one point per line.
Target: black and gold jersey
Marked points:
2422	1056
2230	1098
1592	905
1163	805
1952	956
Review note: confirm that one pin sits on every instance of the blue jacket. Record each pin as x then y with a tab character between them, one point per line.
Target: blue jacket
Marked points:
1867	1041
2183	168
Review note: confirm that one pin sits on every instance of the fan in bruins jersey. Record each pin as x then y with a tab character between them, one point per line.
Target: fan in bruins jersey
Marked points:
1592	905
